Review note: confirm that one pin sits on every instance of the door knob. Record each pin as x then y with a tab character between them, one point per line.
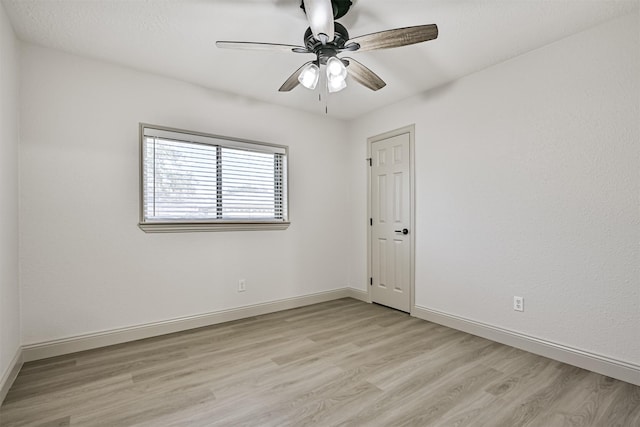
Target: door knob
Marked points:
403	231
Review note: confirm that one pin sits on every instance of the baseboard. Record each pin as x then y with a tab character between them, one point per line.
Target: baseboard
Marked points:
604	365
10	375
358	294
74	344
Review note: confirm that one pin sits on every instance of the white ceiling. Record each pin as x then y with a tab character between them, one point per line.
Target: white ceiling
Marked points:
175	38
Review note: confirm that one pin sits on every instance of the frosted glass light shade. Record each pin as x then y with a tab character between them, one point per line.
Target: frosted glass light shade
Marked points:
309	76
336	69
336	85
336	75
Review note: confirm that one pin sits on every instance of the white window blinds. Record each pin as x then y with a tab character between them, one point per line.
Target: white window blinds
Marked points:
194	177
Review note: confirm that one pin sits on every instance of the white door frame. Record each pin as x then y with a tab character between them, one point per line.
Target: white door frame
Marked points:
410	129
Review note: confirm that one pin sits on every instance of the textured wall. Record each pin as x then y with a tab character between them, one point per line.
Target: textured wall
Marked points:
9	292
527	184
86	266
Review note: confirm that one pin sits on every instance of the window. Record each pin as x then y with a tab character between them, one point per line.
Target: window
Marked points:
197	182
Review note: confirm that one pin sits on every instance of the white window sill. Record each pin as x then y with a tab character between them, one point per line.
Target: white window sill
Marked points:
188	227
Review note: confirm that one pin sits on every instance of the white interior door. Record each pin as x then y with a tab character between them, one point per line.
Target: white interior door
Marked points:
391	234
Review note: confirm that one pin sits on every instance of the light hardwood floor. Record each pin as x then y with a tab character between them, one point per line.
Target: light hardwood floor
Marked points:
340	363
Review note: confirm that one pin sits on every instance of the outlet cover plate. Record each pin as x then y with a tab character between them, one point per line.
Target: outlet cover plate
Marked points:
518	303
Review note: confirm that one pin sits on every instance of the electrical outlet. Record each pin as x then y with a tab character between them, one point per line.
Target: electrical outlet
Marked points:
518	303
242	285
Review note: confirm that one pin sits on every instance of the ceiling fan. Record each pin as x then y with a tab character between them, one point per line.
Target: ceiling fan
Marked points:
326	39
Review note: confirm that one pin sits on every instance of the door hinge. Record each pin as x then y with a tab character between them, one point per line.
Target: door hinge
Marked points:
371	281
370	161
371	221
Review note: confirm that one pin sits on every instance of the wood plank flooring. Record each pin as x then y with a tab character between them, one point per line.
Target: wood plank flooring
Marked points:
340	363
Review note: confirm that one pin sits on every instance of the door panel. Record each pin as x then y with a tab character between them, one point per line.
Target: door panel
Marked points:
390	208
382	198
382	263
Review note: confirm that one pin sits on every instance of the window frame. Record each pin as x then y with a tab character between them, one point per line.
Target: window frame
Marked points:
184	225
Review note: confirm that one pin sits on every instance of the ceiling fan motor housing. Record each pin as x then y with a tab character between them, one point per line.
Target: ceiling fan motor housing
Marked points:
329	49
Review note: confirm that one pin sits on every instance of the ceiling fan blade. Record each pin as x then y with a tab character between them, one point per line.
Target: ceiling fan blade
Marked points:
396	37
364	75
273	47
293	81
320	16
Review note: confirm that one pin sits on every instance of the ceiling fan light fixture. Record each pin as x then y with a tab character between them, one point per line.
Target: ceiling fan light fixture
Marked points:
336	75
309	76
336	85
336	69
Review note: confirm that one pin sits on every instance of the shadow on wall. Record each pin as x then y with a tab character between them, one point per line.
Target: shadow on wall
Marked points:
437	92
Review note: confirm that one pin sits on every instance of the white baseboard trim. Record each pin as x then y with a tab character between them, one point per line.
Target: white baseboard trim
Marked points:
74	344
10	375
604	365
358	294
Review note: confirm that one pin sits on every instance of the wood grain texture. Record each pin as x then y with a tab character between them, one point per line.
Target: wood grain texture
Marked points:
339	363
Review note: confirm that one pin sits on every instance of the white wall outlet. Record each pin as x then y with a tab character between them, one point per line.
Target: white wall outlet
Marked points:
242	285
518	303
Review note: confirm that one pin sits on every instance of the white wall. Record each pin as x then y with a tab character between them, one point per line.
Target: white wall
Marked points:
87	267
527	184
9	136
